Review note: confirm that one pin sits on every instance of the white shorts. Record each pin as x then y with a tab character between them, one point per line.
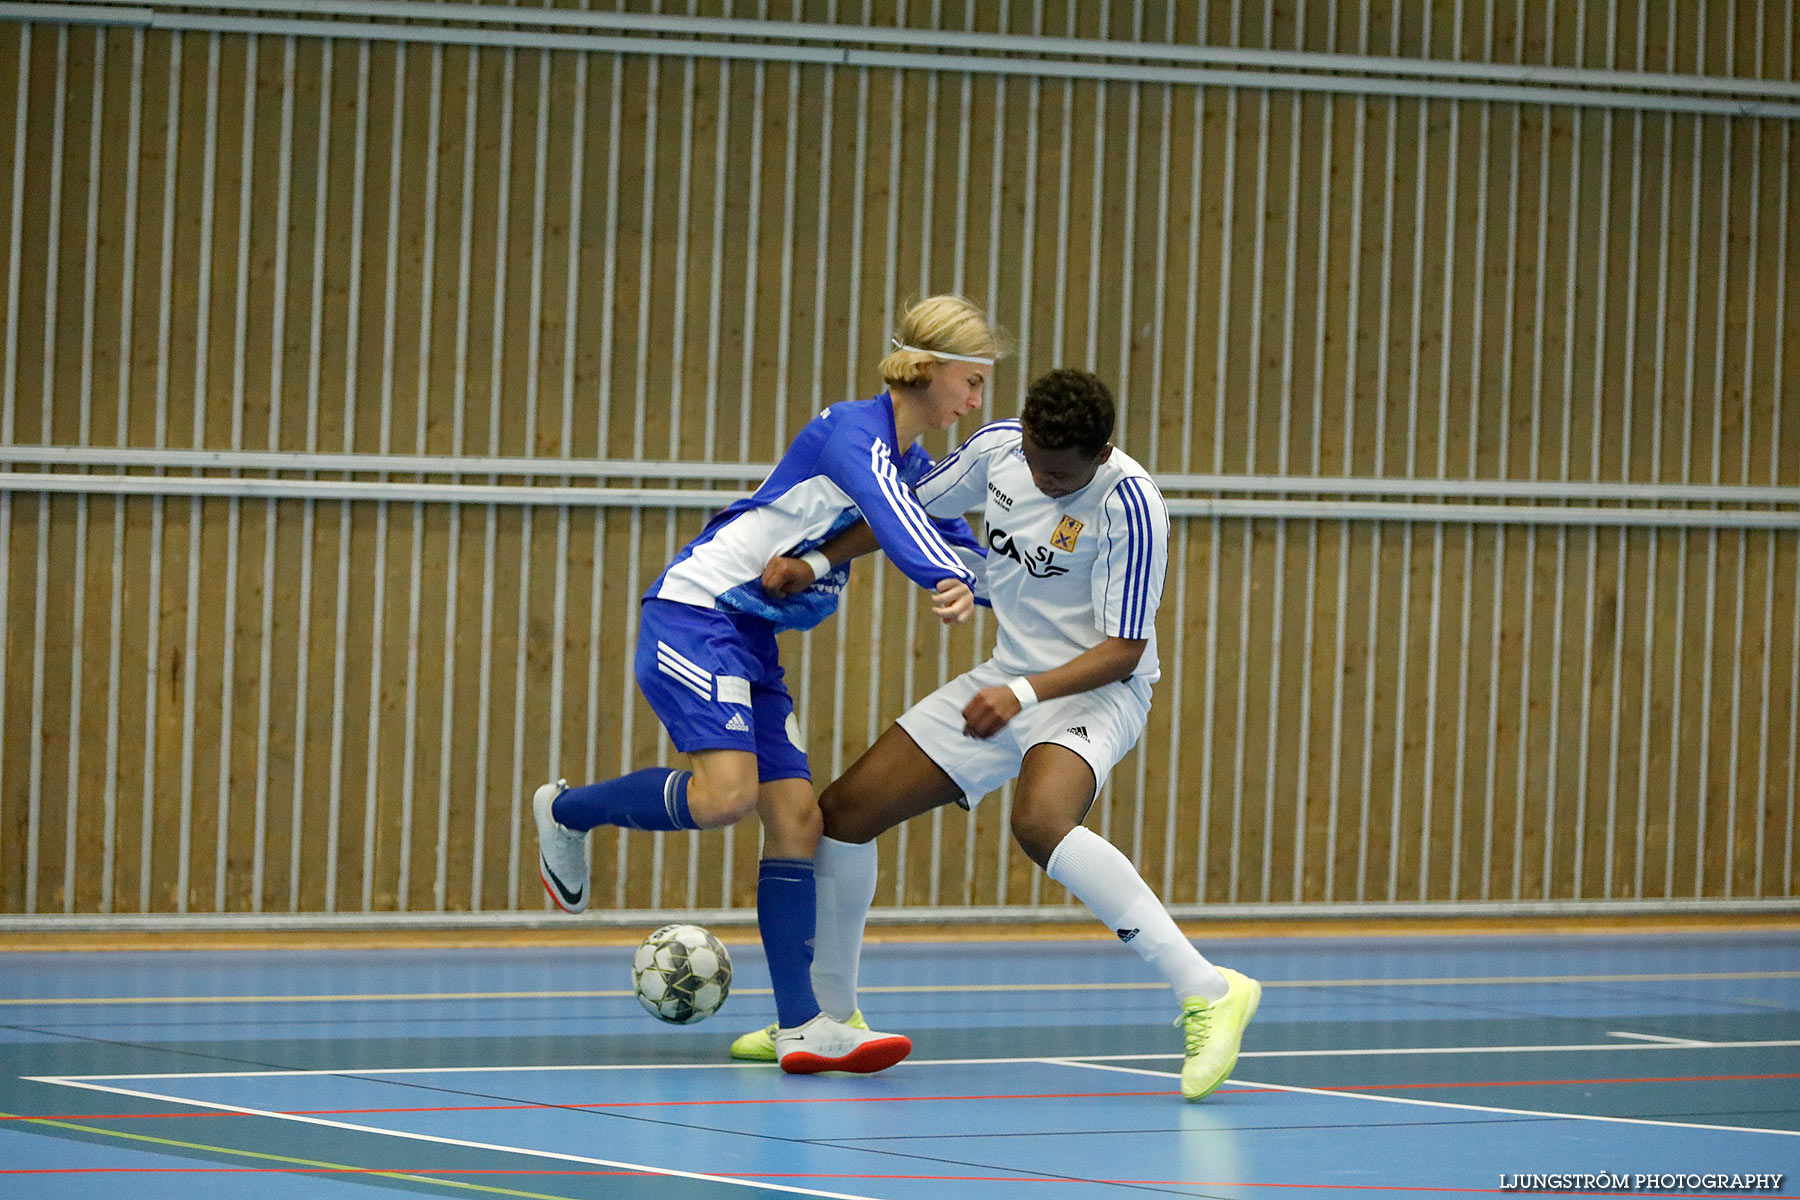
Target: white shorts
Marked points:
1100	725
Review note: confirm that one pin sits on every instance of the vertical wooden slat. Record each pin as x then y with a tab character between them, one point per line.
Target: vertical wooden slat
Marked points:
1680	728
234	514
41	577
1610	888
1572	266
1253	386
9	383
566	436
74	816
1491	815
1372	643
608	277
1463	814
1591	589
1527	750
116	625
522	684
1777	468
1350	318
498	299
1174	585
1428	779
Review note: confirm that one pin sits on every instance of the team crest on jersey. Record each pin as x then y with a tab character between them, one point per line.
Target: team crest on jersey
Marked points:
1067	530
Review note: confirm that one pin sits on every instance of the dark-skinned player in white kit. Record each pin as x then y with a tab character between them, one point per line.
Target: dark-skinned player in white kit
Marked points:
1077	534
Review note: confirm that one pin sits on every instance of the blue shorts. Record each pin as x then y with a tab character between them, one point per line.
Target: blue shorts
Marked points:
714	680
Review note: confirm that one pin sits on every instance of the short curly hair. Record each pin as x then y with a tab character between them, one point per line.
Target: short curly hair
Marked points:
1067	408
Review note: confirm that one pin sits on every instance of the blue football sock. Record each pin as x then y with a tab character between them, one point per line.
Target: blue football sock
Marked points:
655	798
785	896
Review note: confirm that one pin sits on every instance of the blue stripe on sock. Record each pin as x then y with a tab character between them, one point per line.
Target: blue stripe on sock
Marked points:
675	800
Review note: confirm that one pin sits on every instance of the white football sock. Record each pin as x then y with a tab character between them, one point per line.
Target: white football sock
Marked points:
845	873
1104	879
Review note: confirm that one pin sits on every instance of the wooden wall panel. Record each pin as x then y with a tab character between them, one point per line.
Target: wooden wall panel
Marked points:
233	242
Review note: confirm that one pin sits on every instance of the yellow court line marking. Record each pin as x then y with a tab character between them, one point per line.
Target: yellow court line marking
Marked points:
615	993
303	1163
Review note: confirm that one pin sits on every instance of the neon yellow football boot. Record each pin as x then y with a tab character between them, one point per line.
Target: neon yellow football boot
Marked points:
759	1046
1213	1031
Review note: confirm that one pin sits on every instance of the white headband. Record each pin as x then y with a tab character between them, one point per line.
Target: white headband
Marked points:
900	345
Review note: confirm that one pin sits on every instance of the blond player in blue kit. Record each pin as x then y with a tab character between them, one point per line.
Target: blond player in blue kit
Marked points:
708	664
1077	537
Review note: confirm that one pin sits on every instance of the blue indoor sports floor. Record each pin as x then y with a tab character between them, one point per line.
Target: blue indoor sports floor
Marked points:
1403	1066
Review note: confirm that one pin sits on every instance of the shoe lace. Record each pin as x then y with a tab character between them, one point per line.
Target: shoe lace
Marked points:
1195	1019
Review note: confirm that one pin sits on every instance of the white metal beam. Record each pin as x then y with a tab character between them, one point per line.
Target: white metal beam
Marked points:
1077	58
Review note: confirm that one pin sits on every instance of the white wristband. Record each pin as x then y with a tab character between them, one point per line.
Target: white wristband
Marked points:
821	566
1021	687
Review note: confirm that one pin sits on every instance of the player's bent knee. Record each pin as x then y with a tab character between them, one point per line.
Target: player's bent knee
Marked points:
842	818
717	807
1039	834
791	831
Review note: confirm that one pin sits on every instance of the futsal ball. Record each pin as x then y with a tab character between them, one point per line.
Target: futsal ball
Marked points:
682	974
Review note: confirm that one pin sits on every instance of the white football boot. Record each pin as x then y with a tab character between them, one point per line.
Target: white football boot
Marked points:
827	1044
562	852
759	1044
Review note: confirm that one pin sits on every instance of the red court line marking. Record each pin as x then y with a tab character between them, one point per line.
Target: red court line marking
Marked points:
1359	1087
600	1104
596	1104
821	1177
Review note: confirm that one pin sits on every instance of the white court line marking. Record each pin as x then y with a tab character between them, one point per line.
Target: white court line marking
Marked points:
1094	1065
899	989
359	1072
86	1084
1485	1108
1657	1037
449	1141
1521	1112
1344	1052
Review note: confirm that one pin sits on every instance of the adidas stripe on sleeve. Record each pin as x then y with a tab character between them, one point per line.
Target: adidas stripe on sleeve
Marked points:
1129	586
866	473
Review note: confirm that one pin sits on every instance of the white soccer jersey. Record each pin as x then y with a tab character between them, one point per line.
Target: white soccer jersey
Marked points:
1064	574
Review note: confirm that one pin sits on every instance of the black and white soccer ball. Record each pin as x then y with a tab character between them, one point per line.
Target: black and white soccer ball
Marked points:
682	974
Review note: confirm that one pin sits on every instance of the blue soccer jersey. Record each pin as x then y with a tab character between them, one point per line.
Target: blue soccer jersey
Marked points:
844	466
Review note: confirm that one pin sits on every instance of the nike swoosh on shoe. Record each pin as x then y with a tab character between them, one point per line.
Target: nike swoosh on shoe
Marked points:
561	894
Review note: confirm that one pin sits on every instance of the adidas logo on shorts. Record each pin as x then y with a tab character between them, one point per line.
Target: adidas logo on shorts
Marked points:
737	724
1079	731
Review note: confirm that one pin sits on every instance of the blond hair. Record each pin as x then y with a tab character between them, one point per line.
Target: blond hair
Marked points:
947	324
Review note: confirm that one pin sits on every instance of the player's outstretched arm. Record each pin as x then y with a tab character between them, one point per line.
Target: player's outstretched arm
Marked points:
786	574
1111	661
866	473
